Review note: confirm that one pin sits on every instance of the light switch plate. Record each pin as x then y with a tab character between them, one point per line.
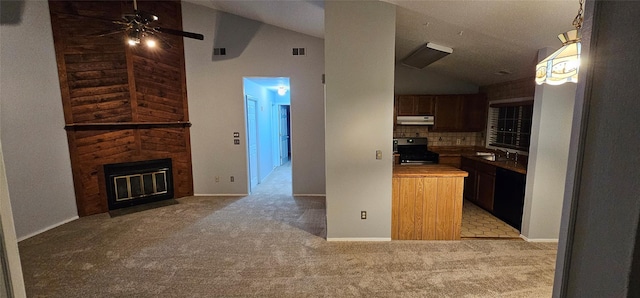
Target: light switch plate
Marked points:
378	154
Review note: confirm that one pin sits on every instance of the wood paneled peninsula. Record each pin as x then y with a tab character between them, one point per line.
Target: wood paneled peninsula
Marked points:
427	202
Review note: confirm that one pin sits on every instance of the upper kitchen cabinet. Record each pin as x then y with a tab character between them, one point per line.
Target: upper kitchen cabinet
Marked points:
475	112
460	113
449	113
415	105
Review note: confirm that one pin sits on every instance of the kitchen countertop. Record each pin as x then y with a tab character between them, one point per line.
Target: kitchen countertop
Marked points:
434	170
509	164
458	151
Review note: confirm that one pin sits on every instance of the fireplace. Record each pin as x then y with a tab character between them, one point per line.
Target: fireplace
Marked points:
134	183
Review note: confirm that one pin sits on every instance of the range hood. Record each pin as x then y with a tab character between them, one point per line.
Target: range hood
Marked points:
416	120
426	55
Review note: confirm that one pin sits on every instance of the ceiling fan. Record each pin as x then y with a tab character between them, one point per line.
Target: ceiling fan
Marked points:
138	28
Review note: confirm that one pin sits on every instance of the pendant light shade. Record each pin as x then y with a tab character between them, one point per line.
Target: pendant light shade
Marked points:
562	66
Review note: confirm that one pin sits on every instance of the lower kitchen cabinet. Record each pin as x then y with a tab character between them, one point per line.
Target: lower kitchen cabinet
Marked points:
497	190
427	207
485	185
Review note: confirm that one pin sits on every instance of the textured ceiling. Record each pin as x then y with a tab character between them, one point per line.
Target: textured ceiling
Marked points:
487	37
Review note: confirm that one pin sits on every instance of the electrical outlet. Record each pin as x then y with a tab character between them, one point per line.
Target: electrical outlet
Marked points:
363	214
217	178
233	179
458	141
236	142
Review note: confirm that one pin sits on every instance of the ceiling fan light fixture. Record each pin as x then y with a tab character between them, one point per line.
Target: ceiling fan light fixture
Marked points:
150	42
563	65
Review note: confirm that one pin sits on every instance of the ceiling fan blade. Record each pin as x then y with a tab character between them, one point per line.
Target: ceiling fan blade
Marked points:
180	33
83	16
106	33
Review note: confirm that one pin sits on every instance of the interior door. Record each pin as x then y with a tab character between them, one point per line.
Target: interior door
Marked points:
284	135
252	142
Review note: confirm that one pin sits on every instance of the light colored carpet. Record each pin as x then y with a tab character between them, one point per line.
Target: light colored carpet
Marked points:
269	244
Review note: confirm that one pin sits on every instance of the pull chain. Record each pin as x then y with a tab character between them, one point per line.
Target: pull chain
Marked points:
577	22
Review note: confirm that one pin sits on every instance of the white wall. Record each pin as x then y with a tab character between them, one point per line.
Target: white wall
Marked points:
359	112
216	104
419	81
548	158
35	143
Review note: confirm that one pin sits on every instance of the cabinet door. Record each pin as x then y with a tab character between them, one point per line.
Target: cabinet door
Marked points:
405	105
448	113
475	112
470	184
485	190
424	105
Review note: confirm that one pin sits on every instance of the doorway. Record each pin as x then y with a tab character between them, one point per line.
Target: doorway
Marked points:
268	127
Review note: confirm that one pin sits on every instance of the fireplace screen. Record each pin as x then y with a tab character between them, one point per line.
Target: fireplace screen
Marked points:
136	183
135	186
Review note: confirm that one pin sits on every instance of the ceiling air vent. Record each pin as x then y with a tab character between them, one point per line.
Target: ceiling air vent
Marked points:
219	51
298	51
426	55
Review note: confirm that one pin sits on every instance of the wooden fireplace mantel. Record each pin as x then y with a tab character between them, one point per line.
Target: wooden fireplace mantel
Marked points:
126	125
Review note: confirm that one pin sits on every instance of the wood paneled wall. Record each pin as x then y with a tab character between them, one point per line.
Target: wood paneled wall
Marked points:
121	103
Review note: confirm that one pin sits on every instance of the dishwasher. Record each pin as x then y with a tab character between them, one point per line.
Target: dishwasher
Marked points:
509	197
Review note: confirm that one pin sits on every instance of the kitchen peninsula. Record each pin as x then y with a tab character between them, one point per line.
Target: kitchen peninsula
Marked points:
427	202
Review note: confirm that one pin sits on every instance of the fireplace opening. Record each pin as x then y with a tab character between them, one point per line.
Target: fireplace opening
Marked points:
134	183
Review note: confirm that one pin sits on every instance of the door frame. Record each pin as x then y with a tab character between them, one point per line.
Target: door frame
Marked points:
248	143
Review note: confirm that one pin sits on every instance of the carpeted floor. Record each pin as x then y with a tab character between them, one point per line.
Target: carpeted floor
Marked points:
269	244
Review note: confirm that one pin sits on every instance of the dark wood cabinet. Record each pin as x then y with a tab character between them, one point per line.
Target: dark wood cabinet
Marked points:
415	105
485	189
466	112
460	112
470	183
475	112
479	186
448	113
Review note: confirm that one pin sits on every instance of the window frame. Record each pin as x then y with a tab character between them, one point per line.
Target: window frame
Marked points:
492	123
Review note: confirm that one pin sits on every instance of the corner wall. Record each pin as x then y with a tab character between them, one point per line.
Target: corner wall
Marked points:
216	103
359	118
34	141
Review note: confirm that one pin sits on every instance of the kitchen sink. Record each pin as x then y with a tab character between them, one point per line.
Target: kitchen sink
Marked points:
484	153
493	158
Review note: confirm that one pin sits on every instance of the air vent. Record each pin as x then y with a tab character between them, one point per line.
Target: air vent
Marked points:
219	51
298	51
426	55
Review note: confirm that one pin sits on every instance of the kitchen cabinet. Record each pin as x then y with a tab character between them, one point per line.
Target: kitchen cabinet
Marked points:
485	186
426	202
415	105
460	113
475	112
479	186
448	113
469	166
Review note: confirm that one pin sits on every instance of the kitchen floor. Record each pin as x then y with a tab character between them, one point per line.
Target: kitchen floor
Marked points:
478	223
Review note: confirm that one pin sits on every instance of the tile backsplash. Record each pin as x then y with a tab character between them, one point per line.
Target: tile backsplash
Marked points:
441	138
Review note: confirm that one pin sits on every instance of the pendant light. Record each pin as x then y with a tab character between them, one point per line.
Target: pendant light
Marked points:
562	66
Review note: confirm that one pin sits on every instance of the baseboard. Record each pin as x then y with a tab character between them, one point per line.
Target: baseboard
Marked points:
220	195
537	240
48	228
308	195
359	239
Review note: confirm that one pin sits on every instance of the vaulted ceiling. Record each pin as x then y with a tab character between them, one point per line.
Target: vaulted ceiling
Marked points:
493	41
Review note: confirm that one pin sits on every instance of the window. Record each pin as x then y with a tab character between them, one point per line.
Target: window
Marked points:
509	125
